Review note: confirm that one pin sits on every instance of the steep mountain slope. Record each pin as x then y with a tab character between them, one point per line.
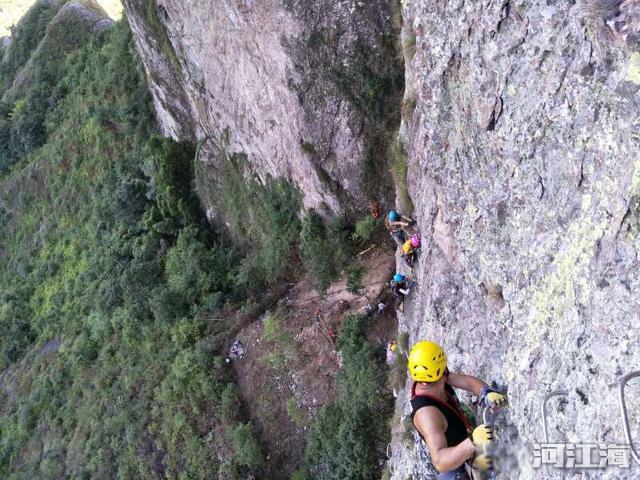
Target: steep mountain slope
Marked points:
524	169
119	300
306	90
95	210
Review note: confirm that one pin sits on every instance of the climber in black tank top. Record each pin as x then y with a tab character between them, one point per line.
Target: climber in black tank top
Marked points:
438	417
458	425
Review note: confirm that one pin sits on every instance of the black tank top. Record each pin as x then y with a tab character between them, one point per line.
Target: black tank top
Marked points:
458	427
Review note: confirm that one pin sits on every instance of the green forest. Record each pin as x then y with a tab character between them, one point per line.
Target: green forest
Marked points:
118	297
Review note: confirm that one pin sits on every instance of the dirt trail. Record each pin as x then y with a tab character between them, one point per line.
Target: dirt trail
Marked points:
284	383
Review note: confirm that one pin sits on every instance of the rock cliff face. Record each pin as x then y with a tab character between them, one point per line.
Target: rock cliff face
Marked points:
274	81
524	168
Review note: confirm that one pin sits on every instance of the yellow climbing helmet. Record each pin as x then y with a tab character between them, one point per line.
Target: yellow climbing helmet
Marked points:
427	362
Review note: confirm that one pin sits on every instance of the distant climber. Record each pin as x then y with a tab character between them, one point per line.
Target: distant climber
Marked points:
392	348
375	209
398	225
397	220
409	250
343	306
236	351
325	327
455	446
400	286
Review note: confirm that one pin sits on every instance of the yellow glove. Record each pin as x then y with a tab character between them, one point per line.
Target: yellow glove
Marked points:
483	462
493	399
482	435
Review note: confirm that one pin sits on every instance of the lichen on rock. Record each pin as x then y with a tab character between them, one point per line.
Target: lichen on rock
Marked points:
538	197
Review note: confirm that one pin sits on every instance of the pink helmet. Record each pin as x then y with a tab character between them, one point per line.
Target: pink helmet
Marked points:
415	241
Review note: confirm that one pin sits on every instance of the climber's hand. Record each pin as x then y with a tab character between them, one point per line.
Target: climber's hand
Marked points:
495	400
492	399
483	462
482	435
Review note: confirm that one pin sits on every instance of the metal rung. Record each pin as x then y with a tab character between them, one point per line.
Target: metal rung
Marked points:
625	417
487	416
557	393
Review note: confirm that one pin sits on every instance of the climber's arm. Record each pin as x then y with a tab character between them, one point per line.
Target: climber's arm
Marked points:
399	223
431	423
466	382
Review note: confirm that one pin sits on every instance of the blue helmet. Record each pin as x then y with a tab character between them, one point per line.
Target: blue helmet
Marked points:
393	216
398	277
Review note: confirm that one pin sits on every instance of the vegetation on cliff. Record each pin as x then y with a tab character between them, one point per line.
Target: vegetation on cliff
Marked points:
113	285
350	435
116	295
